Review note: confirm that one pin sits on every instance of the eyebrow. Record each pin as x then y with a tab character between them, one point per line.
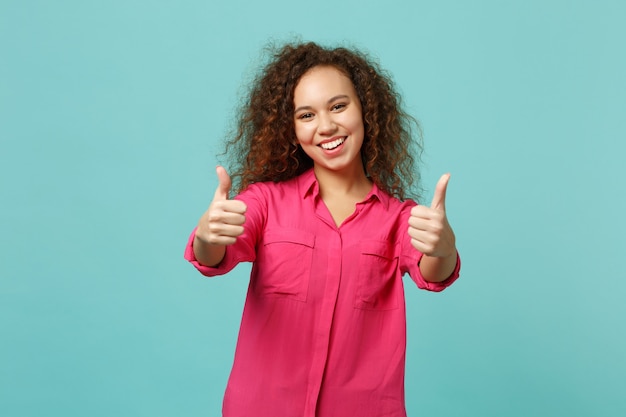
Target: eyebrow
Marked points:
335	98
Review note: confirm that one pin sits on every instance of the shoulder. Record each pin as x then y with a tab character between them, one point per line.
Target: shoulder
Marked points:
393	204
294	188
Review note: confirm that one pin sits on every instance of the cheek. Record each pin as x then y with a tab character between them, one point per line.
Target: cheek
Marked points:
304	133
357	128
357	124
354	121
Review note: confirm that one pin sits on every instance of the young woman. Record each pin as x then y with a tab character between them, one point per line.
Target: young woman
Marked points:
323	162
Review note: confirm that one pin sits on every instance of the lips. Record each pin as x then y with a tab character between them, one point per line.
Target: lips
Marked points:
333	143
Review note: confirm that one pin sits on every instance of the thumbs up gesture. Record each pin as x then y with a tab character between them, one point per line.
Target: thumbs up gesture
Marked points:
428	226
223	221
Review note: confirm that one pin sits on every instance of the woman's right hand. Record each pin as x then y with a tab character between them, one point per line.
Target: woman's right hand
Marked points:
223	222
220	225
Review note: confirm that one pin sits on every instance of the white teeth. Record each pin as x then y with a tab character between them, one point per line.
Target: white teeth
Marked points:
332	145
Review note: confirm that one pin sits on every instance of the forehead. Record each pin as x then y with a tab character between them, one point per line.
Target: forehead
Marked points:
323	82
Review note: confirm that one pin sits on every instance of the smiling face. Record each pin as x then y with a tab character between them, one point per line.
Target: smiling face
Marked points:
328	120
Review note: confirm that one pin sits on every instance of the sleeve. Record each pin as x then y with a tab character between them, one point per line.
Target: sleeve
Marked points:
244	249
410	258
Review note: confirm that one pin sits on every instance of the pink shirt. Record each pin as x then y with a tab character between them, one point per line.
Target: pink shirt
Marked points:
323	331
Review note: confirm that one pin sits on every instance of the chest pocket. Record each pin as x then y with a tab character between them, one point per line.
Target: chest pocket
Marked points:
377	284
283	264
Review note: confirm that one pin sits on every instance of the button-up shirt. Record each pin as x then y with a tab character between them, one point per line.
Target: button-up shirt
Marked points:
323	332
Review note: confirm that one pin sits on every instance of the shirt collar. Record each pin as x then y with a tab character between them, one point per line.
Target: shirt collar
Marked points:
382	196
308	185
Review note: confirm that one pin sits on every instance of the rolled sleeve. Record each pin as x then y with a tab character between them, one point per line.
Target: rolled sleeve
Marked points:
226	265
438	286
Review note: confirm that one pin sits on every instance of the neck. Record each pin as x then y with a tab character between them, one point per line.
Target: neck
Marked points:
351	181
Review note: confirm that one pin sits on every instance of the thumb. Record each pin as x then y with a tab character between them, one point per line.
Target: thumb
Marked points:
224	184
439	199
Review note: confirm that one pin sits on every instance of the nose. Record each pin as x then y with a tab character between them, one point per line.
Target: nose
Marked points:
326	125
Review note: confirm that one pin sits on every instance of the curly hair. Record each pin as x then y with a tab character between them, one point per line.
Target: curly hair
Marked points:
263	146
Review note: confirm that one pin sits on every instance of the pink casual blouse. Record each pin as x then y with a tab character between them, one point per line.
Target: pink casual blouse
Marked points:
323	331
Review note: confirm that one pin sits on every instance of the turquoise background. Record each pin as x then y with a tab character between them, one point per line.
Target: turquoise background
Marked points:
111	116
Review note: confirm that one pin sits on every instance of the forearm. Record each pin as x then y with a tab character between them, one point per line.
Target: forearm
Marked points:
208	254
435	269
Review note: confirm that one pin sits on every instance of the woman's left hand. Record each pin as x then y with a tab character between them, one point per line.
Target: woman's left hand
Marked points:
429	229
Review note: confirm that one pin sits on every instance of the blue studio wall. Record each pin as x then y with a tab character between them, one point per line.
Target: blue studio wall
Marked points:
111	117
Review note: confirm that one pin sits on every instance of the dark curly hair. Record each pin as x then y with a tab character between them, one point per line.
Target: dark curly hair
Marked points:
263	147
